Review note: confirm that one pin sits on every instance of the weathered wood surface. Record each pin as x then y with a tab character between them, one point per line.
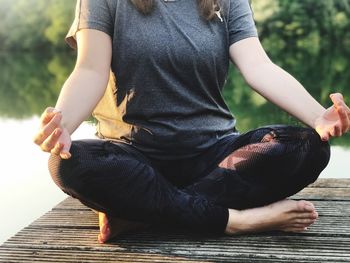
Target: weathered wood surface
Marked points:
68	234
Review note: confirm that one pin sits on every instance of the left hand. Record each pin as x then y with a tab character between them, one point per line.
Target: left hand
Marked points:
335	121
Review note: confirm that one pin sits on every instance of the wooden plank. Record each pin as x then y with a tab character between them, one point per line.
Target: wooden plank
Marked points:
71	203
68	234
312	193
68	218
331	183
27	255
72	255
333	208
280	246
59	238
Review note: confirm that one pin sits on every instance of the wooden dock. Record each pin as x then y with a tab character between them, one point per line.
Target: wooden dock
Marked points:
68	234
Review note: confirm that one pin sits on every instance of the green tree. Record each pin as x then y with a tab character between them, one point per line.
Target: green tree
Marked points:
34	24
31	82
60	13
23	27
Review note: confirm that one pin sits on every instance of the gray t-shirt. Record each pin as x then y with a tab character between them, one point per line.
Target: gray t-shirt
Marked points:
170	68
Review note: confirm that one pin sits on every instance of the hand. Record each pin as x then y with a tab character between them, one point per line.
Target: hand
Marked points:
52	136
335	121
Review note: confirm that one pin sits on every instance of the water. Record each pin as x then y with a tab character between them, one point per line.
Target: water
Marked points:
27	190
31	82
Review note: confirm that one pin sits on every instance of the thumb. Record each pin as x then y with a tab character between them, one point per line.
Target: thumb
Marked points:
65	152
322	133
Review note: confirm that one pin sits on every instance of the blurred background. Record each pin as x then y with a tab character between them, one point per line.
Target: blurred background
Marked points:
308	38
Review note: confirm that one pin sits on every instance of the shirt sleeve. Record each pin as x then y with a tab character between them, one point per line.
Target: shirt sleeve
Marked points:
92	14
241	23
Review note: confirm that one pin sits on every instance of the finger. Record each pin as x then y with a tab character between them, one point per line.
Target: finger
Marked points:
323	135
51	141
338	100
47	115
332	131
65	154
337	94
343	111
57	149
344	119
48	129
336	131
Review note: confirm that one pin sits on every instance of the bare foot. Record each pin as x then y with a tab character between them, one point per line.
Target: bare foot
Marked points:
111	227
285	215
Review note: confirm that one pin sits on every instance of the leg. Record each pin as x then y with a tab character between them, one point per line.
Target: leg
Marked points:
121	183
285	215
277	162
265	166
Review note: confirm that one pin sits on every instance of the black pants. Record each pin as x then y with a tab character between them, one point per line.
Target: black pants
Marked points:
240	171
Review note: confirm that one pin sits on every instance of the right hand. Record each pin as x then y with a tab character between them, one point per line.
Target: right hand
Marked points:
335	121
52	136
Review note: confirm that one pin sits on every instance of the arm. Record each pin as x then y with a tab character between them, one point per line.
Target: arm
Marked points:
279	87
87	83
80	93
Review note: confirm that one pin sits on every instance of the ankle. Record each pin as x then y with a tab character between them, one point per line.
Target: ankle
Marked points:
233	224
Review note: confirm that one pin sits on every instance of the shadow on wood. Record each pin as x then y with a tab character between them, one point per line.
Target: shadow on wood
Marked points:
68	233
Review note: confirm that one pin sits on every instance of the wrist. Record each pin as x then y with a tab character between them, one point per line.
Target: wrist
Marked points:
317	116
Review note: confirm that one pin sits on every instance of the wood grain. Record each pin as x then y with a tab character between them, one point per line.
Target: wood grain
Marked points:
68	234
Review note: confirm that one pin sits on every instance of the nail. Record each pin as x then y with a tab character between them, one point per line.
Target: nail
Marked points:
57	131
103	229
56	111
99	239
65	155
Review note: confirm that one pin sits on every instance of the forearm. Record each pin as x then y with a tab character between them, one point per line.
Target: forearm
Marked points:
79	96
282	89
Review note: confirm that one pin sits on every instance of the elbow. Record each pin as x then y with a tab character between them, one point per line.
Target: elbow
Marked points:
255	73
100	74
250	76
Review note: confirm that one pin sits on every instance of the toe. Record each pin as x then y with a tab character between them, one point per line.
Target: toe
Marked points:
305	206
104	234
298	226
105	231
296	229
313	215
100	239
305	221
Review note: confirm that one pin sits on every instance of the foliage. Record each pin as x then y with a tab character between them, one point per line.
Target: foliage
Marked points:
308	38
307	23
31	82
34	24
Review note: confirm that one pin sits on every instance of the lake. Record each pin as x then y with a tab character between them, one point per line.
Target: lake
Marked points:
31	82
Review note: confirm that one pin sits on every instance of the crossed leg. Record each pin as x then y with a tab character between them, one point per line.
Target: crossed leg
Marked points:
121	185
124	185
266	166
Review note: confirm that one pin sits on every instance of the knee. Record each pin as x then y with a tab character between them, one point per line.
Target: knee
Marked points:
319	154
319	149
64	172
56	169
